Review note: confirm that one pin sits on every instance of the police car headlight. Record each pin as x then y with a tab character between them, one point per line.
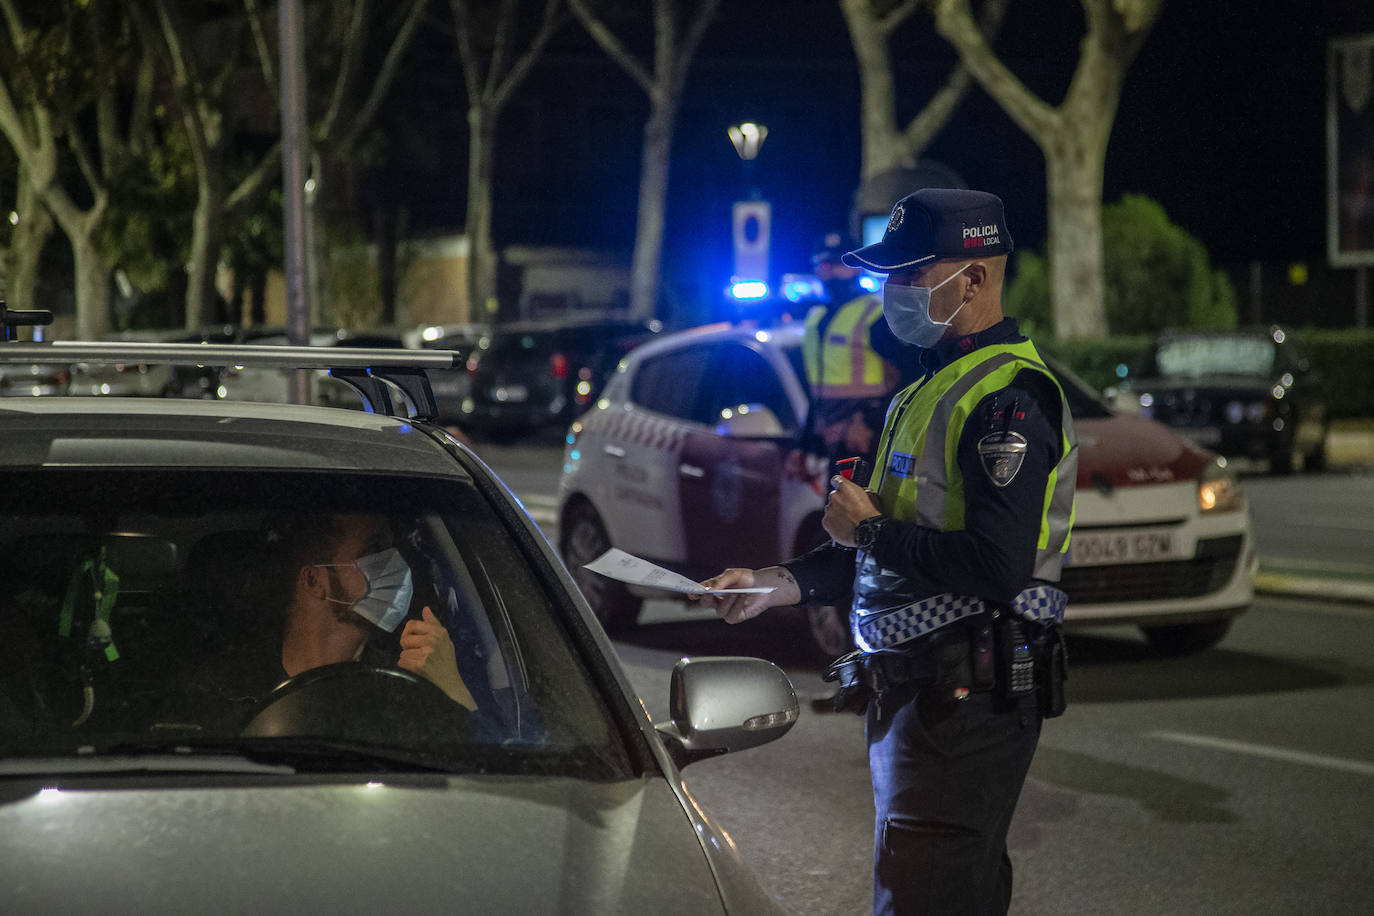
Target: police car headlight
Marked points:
1217	489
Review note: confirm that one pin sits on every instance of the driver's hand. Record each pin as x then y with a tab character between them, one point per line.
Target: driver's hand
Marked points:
427	650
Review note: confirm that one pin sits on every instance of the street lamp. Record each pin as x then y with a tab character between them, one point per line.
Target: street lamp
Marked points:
751	221
747	138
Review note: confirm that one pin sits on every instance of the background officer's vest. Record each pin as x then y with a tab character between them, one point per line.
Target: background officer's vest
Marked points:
843	364
917	474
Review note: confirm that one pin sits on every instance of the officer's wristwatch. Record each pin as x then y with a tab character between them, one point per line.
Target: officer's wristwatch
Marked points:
866	532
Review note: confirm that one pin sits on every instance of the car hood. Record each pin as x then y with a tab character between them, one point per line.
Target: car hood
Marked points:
1127	450
444	845
1237	384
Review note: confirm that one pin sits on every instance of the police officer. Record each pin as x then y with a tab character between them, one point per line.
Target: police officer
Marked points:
851	358
952	553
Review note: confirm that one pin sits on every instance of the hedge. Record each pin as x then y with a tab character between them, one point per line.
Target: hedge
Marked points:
1342	359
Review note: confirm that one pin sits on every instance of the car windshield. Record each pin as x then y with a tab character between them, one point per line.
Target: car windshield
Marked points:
154	611
1194	356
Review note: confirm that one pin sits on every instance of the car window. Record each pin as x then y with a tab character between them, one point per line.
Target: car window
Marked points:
668	383
1193	356
739	375
142	606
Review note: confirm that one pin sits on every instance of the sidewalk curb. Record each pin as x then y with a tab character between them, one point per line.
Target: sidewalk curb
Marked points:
1321	589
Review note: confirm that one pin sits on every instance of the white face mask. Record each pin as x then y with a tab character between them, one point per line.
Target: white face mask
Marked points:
907	310
386	597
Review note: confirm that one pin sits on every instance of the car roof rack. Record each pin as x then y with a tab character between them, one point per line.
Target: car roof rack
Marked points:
368	371
13	319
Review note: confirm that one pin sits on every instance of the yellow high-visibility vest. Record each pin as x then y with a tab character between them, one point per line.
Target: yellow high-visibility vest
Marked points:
843	364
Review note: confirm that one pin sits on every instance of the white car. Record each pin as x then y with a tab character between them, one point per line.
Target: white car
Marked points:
681	462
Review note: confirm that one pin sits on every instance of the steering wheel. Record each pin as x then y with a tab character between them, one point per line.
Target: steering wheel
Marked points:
354	701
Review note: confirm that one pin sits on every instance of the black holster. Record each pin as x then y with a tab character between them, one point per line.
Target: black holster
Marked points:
1051	671
854	692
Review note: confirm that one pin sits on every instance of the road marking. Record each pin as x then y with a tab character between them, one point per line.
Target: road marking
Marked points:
1262	750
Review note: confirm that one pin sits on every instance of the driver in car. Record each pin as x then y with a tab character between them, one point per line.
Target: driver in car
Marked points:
344	581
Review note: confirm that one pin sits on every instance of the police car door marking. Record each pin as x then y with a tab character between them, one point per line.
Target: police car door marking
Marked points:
1002	454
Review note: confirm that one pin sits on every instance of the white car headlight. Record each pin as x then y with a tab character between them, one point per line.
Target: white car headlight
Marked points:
1217	489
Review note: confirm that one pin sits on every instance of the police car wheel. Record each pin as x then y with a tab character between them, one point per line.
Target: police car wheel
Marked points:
583	539
1185	638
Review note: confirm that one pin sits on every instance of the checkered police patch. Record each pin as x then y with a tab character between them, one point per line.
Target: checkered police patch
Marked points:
1002	454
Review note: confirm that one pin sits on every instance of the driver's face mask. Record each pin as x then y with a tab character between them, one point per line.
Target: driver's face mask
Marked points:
388	588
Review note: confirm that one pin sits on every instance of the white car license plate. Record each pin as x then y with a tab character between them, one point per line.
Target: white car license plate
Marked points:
510	394
1141	546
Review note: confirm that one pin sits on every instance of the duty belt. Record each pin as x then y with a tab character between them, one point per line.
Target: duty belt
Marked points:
895	626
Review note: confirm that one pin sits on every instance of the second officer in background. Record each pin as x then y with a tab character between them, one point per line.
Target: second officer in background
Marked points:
853	362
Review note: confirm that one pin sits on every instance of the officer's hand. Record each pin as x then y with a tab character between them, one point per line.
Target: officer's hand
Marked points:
427	650
738	608
848	505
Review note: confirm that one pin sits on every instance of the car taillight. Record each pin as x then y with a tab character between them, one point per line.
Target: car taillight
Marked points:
472	365
63	377
558	366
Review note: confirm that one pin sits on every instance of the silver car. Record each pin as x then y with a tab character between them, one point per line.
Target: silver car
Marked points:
156	758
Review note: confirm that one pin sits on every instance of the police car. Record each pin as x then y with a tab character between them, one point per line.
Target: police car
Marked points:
682	462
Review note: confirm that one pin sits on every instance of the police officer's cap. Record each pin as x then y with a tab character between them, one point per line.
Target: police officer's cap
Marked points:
937	223
830	249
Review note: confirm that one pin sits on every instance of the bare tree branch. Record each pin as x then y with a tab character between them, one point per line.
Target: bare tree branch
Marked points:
251	188
611	44
266	59
349	65
547	26
386	76
896	16
1028	110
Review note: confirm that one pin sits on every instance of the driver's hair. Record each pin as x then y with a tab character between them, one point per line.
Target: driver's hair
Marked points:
296	539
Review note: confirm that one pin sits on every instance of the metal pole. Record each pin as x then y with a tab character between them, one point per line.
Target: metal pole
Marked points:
1361	297
295	155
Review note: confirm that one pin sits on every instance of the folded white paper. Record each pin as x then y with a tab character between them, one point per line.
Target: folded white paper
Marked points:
619	565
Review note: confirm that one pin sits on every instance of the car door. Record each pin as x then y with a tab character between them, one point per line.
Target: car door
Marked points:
730	484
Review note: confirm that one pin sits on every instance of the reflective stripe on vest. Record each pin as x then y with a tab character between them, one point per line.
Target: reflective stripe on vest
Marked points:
843	365
925	447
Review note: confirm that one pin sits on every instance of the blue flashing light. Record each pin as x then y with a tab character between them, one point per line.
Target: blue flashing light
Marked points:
869	283
795	290
750	290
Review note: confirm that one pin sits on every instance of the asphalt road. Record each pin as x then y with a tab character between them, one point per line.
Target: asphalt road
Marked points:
1238	780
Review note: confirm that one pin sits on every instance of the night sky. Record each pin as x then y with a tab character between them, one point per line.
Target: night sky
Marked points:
1222	120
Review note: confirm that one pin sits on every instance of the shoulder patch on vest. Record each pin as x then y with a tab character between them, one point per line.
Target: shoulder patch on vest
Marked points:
1002	454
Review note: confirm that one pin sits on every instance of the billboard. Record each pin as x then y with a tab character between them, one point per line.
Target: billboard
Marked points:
1350	151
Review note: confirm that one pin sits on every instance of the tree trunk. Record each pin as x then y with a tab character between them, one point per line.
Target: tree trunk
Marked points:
92	285
882	146
653	197
385	234
207	238
1074	185
482	305
26	247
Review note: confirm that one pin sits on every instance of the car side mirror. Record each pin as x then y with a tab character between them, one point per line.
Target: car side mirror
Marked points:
750	420
722	703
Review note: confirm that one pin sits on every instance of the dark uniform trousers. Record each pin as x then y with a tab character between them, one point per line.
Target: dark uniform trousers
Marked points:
942	821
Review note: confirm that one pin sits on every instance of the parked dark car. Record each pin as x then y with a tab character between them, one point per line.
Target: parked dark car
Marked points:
528	376
1247	393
